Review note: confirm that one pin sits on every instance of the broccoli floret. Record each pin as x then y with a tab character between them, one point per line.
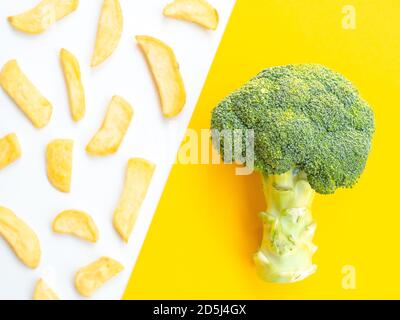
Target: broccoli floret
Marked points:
310	126
306	117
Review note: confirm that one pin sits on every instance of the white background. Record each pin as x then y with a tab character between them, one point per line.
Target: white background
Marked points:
97	182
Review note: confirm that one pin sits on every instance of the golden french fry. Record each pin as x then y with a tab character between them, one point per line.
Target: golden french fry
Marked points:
76	223
92	277
59	163
137	180
197	11
109	31
76	92
21	238
10	150
46	13
165	70
14	82
111	133
44	292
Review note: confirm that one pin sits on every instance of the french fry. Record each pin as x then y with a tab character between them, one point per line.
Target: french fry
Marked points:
92	277
59	163
76	223
21	238
73	80
10	150
14	82
111	133
109	31
44	292
165	70
137	180
41	17
196	11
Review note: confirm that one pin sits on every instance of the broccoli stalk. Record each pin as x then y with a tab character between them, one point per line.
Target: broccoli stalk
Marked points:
312	133
286	251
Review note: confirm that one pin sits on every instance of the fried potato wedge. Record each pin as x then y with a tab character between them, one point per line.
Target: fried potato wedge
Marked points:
137	180
41	17
111	133
165	70
21	238
14	82
92	277
196	11
59	163
109	31
10	150
76	92
44	292
76	223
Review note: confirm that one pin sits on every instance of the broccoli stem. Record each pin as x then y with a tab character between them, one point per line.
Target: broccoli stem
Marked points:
286	251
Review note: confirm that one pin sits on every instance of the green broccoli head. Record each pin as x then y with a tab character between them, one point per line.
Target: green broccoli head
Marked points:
305	117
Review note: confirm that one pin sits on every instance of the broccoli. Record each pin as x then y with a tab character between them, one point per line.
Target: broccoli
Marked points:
312	133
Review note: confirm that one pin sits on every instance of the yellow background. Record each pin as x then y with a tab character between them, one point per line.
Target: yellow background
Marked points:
206	228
